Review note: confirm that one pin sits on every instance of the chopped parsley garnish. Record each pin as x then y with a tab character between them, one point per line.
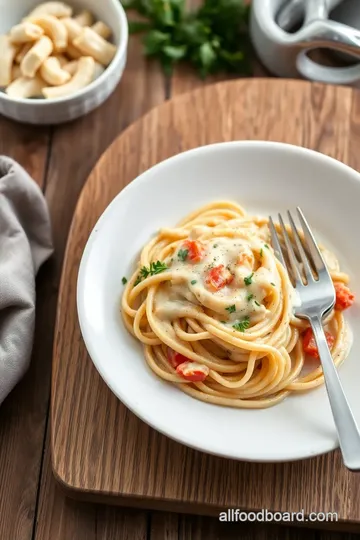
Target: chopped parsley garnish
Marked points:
242	325
265	245
231	309
248	279
273	284
182	254
261	252
124	280
257	303
215	245
249	297
223	322
154	268
193	282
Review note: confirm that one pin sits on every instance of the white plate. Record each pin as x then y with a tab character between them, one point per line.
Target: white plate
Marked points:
264	177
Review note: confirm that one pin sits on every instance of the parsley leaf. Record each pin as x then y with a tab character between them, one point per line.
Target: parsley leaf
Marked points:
212	38
124	280
182	254
242	325
257	303
249	297
273	284
248	279
231	309
154	268
261	252
267	247
193	282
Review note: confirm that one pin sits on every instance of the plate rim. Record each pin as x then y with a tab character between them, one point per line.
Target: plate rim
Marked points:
86	335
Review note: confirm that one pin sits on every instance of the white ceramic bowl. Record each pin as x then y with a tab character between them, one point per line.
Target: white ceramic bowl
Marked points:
265	178
56	111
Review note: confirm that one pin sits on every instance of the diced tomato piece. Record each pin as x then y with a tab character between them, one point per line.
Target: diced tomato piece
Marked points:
175	358
218	277
191	371
309	343
195	249
344	297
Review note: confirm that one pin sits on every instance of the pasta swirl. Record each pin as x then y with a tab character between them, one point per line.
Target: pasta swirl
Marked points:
213	308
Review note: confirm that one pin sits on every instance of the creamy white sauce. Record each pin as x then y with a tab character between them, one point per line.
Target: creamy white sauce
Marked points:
247	259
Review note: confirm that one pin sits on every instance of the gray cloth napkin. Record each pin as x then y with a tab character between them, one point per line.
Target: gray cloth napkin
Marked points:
25	243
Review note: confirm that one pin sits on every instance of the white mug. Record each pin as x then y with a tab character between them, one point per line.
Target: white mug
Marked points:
285	54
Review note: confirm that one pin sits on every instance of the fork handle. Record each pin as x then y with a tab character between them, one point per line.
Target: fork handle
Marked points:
348	432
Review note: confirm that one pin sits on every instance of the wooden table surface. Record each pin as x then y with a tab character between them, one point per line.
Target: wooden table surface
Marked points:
31	505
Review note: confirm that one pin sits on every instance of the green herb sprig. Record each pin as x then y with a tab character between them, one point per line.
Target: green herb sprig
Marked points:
242	325
152	270
248	279
182	254
213	38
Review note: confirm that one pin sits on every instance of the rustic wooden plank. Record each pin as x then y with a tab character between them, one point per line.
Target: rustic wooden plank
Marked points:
136	462
23	414
60	518
167	526
116	523
201	528
76	148
164	526
26	144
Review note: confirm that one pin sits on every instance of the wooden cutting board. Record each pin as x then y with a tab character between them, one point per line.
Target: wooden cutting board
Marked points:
102	451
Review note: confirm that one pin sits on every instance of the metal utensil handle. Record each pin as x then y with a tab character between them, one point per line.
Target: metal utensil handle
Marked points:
348	432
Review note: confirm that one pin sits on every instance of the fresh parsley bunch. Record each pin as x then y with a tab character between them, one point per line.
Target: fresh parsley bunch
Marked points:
214	38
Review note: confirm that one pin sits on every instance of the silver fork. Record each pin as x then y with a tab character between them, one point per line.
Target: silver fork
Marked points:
317	297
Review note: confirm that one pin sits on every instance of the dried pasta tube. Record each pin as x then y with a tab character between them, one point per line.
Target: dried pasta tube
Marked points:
73	28
62	59
56	9
99	70
52	72
21	53
36	56
55	29
15	72
25	32
91	44
83	76
73	52
23	87
7	56
71	67
84	18
102	29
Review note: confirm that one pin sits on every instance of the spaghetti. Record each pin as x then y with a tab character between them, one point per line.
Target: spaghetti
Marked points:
213	308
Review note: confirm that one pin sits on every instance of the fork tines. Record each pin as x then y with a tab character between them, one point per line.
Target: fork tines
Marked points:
298	251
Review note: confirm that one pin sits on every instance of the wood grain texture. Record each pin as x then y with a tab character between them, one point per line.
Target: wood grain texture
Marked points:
98	445
75	149
23	414
60	518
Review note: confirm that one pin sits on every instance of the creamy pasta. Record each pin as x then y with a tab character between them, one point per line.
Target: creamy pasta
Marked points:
213	308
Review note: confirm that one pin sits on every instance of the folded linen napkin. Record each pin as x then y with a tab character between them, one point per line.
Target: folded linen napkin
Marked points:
25	243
